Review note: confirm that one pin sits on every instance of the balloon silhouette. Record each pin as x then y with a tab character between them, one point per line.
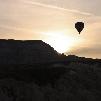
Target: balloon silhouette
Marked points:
79	26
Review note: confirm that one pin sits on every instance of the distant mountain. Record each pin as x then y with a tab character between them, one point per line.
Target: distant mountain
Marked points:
25	52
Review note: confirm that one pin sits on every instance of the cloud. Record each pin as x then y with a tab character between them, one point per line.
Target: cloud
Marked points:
56	7
81	5
91	51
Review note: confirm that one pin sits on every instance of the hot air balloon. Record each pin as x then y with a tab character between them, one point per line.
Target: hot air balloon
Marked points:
79	26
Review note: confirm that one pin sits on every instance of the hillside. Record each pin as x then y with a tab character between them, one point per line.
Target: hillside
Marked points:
34	71
25	52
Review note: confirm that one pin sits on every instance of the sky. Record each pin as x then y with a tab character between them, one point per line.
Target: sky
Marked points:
53	22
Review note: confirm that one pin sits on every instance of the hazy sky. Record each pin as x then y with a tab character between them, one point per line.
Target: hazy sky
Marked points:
53	22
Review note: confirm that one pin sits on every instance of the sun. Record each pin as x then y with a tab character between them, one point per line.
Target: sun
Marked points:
61	45
60	42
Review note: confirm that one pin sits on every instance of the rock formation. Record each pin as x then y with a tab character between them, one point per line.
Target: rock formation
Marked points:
25	51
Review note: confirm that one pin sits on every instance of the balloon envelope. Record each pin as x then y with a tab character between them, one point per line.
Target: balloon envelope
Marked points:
79	26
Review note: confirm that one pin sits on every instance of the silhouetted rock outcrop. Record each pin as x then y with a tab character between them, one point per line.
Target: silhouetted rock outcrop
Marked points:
25	52
55	78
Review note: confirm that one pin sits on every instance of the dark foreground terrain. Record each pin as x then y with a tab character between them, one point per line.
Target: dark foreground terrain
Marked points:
34	71
64	81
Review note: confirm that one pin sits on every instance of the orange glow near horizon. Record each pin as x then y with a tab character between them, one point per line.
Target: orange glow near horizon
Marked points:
60	42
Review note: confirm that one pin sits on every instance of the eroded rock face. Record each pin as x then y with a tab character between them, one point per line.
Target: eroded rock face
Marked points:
25	52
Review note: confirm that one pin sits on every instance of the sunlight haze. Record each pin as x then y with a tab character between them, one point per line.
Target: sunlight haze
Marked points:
53	21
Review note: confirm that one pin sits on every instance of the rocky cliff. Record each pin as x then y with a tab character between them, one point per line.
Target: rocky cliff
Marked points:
25	51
